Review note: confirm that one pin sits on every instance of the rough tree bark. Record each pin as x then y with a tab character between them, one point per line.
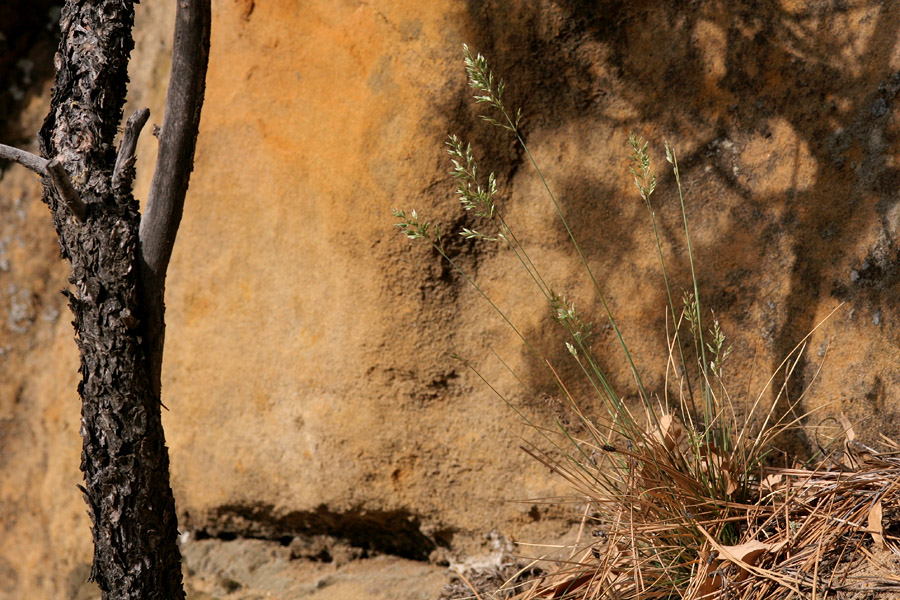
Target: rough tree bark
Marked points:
118	276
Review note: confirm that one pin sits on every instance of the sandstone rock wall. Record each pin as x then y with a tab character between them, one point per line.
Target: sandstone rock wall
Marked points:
307	371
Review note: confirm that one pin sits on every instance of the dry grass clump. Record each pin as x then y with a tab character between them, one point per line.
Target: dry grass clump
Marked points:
682	498
676	516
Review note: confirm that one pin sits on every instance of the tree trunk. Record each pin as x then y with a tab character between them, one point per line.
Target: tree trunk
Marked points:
124	458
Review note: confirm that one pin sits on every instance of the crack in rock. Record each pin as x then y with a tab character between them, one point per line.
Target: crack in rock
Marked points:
395	532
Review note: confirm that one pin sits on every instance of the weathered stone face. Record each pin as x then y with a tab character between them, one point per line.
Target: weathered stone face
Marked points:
308	370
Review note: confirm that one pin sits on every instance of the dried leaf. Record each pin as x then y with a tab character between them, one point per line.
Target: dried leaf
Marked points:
743	555
848	458
669	432
710	573
749	552
848	428
730	483
771	482
718	465
875	527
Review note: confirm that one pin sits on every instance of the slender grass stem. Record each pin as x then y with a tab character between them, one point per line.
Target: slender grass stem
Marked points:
707	396
637	376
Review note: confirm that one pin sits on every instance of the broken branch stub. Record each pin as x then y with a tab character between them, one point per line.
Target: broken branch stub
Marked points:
67	192
123	173
55	171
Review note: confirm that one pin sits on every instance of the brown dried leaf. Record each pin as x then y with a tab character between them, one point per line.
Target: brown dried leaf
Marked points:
710	573
771	482
749	552
746	554
848	428
848	459
719	465
875	526
669	432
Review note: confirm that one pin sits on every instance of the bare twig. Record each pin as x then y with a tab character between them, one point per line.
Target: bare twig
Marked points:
52	169
65	189
175	161
26	159
177	138
123	173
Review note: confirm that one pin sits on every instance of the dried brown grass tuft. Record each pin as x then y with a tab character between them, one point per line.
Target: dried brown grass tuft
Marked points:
678	517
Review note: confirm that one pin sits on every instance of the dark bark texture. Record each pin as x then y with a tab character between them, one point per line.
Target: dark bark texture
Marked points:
124	457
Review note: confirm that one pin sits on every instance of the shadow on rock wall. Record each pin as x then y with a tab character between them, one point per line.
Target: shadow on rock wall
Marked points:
784	113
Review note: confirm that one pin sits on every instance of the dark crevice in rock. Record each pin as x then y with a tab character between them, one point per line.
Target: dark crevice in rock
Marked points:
395	532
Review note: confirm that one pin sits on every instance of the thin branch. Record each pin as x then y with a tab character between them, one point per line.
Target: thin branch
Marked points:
55	171
178	135
66	190
174	163
123	172
26	159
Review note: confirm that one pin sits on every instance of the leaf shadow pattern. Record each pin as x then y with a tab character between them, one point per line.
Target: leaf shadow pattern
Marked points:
755	92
